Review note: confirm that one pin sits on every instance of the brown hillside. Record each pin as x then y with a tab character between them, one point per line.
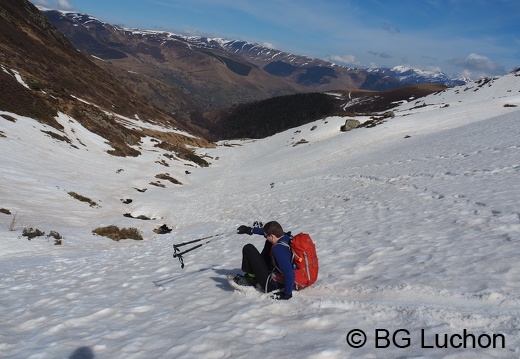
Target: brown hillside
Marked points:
58	75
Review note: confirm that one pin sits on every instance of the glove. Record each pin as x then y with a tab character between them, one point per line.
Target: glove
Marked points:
244	229
281	296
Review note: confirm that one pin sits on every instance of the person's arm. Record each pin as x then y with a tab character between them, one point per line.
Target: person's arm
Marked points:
243	229
282	255
258	230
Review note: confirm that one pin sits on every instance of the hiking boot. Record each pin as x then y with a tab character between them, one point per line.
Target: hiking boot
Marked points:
245	280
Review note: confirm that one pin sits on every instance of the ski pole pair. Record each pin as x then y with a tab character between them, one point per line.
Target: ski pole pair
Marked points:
208	238
180	255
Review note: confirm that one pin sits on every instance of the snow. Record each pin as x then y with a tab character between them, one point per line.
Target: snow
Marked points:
17	76
416	223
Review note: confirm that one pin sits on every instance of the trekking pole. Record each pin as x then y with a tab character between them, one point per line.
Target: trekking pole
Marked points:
180	255
176	246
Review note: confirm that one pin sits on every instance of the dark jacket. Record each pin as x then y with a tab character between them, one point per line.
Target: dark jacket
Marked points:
280	262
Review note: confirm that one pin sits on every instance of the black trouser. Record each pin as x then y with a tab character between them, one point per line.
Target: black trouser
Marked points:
257	263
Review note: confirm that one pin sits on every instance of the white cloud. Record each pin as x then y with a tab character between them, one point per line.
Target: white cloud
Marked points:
343	59
64	5
57	4
476	66
432	68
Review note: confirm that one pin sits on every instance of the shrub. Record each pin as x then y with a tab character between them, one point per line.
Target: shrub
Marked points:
31	233
35	86
116	234
57	237
193	157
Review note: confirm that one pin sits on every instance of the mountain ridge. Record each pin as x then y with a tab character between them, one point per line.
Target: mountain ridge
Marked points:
207	73
412	76
184	74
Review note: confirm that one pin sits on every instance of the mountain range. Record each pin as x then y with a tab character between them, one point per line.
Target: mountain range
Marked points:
410	76
211	88
181	74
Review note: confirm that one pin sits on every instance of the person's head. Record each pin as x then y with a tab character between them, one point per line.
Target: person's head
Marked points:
273	231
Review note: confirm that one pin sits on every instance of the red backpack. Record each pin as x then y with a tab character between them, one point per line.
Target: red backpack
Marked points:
305	260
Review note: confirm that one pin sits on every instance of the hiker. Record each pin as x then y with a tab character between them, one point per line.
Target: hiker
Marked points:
272	268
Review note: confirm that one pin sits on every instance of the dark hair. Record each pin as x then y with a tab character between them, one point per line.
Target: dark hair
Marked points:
273	228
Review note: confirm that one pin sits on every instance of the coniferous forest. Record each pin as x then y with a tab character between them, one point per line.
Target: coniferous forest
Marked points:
265	118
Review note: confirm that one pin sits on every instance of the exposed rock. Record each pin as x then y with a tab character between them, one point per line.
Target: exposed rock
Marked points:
162	229
350	124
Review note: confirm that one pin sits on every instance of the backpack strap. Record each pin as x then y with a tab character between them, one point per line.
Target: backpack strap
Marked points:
276	273
285	244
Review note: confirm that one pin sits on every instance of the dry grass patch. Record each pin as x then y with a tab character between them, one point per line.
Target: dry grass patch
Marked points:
83	199
8	118
183	153
116	234
167	177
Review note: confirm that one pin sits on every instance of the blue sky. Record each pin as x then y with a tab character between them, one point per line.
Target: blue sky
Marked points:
471	38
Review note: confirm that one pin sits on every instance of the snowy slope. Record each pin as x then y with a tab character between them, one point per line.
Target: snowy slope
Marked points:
416	222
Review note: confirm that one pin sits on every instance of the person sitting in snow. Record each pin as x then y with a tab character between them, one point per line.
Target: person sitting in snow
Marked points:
272	268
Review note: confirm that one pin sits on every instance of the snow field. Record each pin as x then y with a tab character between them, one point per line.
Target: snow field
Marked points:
419	233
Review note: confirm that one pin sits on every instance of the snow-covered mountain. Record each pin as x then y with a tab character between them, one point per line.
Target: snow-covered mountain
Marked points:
262	54
184	74
256	53
411	76
416	223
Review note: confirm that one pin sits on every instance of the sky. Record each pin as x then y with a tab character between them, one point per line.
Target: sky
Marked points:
470	38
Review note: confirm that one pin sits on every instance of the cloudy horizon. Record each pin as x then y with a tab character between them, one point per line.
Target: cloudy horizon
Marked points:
462	38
